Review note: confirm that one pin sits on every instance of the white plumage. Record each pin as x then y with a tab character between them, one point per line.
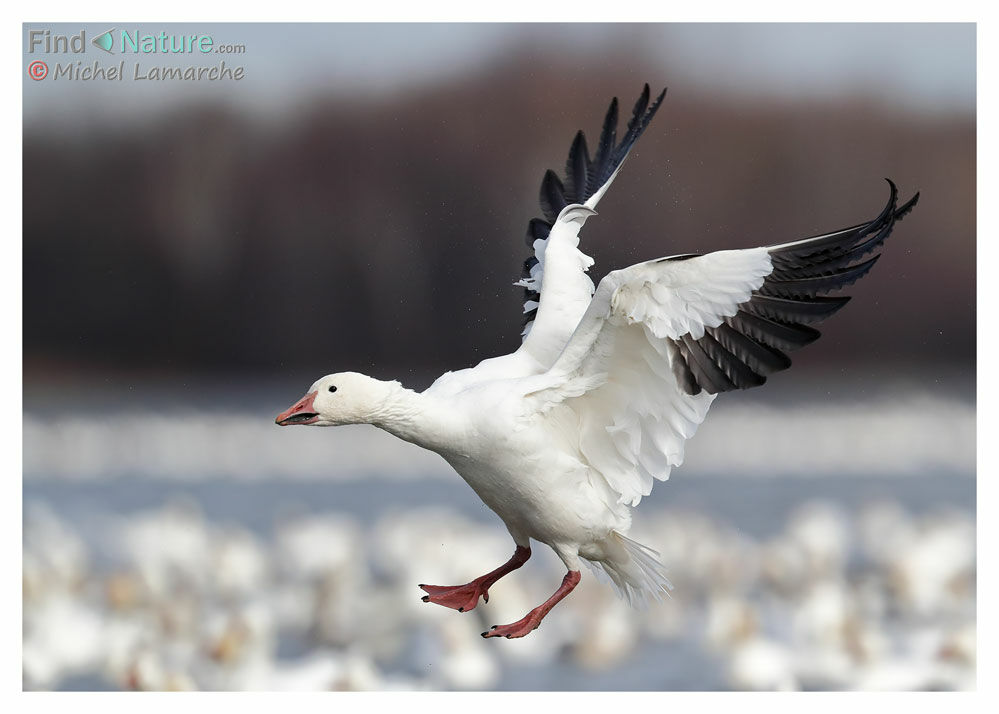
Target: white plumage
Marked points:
563	436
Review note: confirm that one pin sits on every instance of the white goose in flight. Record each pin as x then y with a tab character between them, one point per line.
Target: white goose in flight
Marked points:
562	437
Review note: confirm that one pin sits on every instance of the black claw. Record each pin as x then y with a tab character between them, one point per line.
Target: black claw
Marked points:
485	634
425	598
461	609
422	585
485	597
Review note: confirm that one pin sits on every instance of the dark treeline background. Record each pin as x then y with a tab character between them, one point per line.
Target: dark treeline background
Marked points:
382	233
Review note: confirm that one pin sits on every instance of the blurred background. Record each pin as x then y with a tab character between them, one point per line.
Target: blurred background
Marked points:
197	253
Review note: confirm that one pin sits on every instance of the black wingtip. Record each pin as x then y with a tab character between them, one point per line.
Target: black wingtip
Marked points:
610	119
894	193
888	212
904	209
577	168
646	93
552	196
659	99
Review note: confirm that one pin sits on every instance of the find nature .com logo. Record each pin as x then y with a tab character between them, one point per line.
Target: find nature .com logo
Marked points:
129	42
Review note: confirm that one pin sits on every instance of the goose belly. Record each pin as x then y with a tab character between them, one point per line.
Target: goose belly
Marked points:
550	499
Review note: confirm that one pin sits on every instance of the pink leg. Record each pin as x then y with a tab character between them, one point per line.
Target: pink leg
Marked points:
465	597
532	620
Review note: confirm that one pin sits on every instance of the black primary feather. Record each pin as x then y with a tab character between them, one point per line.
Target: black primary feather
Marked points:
759	357
708	374
608	137
793	311
738	372
813	285
552	196
577	168
681	371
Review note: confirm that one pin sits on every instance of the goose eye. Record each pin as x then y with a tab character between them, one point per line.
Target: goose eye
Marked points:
332	389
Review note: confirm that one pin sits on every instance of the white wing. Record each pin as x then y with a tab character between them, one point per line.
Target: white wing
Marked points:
661	339
557	269
557	289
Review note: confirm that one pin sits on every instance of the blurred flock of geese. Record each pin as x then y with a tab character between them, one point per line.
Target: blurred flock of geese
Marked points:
167	600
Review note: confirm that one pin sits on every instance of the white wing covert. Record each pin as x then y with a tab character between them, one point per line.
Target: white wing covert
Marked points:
661	339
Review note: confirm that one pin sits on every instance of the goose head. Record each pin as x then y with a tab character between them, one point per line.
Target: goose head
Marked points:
338	399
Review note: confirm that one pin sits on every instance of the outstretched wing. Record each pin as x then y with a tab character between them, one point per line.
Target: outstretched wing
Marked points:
661	339
586	180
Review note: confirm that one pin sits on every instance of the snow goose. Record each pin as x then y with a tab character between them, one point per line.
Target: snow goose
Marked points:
563	436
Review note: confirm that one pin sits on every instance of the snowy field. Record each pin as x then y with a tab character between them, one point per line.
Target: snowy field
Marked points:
811	547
